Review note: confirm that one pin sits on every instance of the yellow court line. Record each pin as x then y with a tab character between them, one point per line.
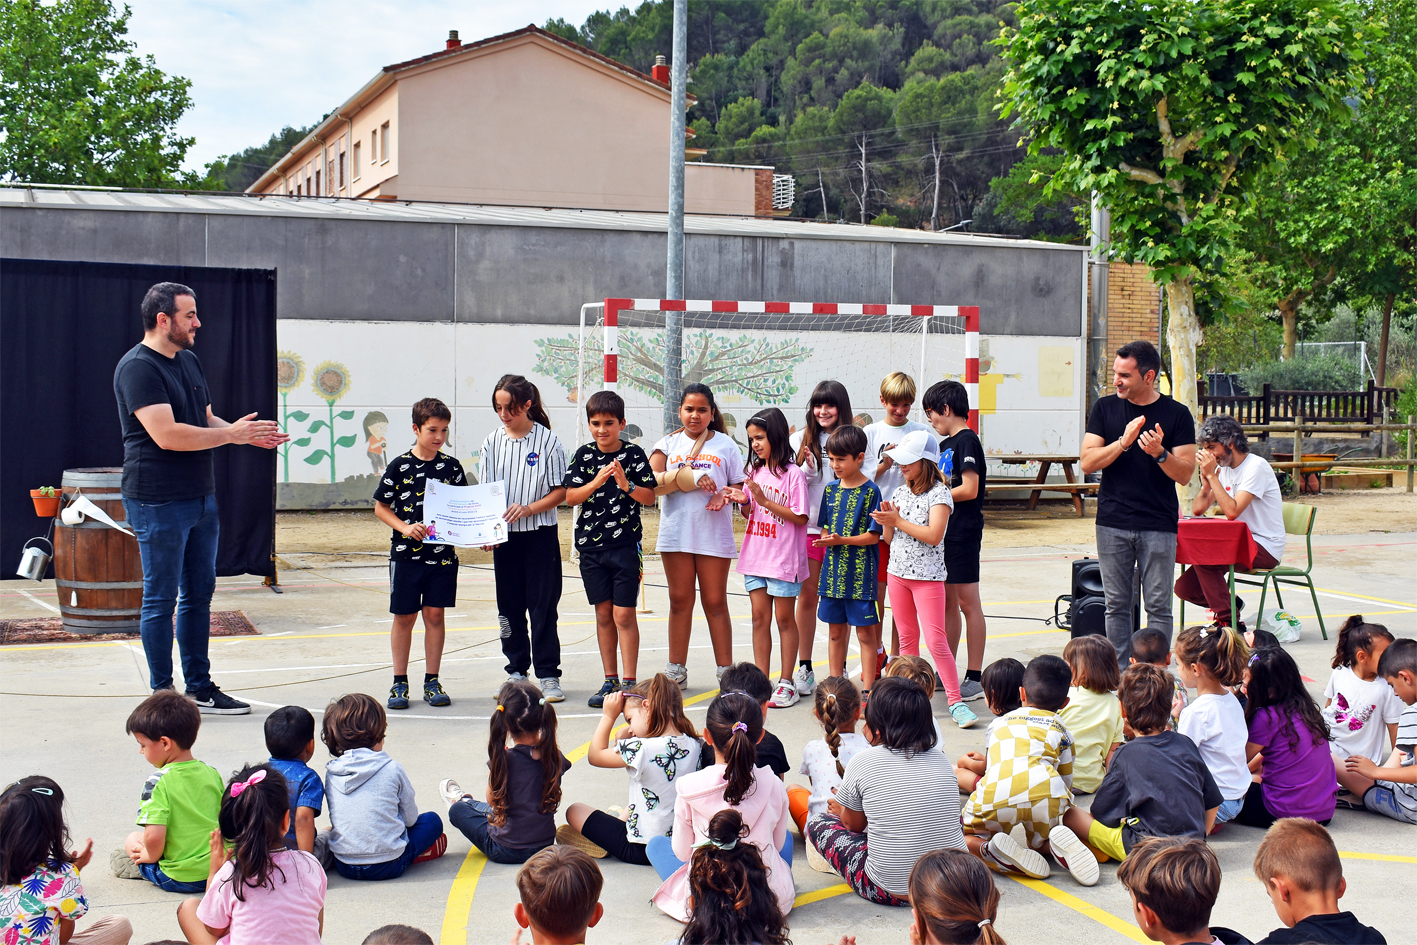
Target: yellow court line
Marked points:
817	895
459	909
1381	857
1120	926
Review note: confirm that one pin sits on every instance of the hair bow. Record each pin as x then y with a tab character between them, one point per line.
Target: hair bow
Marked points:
740	727
719	844
255	779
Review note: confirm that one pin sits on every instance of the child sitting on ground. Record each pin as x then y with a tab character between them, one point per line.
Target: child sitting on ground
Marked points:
897	801
1288	741
660	746
1154	647
1300	869
41	896
1002	681
1093	715
290	738
376	831
733	726
1391	790
1157	785
523	781
1028	782
824	760
953	901
749	679
1360	703
180	802
263	892
728	887
1173	882
396	934
918	670
1210	660
560	896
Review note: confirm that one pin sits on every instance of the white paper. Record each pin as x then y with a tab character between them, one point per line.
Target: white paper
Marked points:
465	516
79	507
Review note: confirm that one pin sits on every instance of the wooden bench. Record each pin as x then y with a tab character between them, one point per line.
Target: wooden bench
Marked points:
1039	485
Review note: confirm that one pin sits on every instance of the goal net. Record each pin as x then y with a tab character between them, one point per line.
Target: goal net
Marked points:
761	354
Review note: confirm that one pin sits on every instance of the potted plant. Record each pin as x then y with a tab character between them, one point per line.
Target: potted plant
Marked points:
46	501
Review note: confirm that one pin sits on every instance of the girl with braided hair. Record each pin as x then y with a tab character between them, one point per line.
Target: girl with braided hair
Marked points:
728	886
838	709
260	892
733	726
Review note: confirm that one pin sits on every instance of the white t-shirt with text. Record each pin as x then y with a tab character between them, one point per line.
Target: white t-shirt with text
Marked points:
685	523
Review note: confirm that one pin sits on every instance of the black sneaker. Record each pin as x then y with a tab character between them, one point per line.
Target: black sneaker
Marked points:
433	693
213	701
398	696
597	701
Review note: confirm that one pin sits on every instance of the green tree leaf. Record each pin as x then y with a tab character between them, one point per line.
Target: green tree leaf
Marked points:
316	458
346	440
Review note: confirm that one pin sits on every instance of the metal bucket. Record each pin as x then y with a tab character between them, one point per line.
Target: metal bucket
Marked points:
35	563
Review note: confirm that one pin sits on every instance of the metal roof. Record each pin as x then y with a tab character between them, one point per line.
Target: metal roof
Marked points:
14	196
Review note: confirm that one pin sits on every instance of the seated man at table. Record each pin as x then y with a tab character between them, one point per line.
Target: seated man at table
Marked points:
1244	487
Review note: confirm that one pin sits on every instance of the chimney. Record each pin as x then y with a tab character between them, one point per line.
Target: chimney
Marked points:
660	72
453	41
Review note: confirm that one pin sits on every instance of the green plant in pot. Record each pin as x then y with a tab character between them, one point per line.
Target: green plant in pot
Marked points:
46	501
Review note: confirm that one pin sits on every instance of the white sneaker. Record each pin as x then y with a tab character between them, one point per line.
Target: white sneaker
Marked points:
451	791
551	689
1073	855
514	677
678	673
1008	852
720	670
805	680
784	695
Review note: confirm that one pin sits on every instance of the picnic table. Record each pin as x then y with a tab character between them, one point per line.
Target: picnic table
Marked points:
1040	484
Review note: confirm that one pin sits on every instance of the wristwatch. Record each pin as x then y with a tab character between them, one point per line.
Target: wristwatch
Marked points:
1162	458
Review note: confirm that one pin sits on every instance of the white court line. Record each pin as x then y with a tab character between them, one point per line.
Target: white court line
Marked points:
333	626
44	604
1363	600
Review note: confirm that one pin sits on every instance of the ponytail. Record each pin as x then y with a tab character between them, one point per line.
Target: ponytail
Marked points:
1220	649
838	702
954	898
666	706
522	391
1356	635
252	818
521	711
728	889
735	723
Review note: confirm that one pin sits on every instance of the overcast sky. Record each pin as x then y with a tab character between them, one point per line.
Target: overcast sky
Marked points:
259	65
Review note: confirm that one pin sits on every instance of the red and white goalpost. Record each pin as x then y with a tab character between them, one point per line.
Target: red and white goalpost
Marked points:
965	316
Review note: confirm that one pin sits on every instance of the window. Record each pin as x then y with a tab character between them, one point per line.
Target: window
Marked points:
341	170
358	146
330	176
317	181
374	146
384	140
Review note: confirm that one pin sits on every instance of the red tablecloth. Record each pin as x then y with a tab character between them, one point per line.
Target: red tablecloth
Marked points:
1215	541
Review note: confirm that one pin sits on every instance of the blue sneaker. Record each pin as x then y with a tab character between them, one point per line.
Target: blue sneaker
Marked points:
962	716
597	701
434	695
398	696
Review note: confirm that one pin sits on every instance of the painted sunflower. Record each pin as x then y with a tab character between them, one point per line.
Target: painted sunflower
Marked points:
330	380
290	371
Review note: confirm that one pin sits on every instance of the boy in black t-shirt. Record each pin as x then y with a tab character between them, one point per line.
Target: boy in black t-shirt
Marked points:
423	578
963	464
1299	866
611	479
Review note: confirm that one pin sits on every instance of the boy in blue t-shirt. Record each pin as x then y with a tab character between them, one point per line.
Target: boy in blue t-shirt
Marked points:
847	587
290	738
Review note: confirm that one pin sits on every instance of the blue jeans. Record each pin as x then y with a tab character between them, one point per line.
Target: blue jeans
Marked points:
154	874
177	541
423	834
1227	810
1121	554
660	851
470	816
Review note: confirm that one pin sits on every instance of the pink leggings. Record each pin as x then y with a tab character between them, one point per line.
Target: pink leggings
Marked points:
919	608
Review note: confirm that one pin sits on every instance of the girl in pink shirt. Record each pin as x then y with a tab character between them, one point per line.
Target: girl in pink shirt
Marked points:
773	560
263	892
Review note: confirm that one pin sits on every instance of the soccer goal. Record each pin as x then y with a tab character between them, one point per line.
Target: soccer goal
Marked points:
760	354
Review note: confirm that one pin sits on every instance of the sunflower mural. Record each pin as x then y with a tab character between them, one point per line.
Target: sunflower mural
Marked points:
331	382
290	371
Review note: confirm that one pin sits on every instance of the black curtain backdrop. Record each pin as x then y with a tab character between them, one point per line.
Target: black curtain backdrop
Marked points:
63	327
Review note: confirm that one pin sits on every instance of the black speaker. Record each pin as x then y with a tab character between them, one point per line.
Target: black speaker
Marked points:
1087	604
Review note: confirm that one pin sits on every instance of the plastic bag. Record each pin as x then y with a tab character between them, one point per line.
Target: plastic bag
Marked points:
1284	625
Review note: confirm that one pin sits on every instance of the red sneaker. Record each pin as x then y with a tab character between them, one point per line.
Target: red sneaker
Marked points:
439	847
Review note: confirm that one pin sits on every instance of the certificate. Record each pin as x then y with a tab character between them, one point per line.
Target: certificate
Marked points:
465	516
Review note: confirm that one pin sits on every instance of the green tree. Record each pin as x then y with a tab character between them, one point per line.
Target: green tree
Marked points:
866	118
1171	111
739	120
806	148
77	106
235	172
938	118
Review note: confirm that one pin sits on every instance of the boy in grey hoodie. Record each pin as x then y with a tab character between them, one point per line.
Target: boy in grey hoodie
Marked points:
376	831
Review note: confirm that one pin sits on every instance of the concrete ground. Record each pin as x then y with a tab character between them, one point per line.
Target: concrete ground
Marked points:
64	707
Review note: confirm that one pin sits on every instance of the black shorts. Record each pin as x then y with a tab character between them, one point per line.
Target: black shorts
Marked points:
612	835
962	558
612	574
414	585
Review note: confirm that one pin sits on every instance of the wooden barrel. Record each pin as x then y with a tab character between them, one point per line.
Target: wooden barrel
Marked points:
98	572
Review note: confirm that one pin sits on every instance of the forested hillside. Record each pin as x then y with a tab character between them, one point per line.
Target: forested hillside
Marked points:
884	111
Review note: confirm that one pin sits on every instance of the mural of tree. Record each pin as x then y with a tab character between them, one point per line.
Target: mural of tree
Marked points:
330	380
756	367
290	371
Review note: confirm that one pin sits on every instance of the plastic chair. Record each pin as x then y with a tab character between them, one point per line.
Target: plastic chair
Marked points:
1298	520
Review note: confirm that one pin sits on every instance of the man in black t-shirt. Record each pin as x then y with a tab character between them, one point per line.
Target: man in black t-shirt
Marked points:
169	488
963	464
1135	437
